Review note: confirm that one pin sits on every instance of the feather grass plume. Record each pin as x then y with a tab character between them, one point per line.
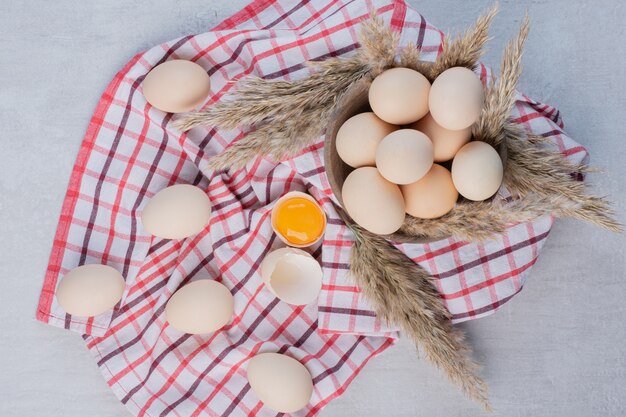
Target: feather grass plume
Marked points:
403	294
287	116
467	49
500	95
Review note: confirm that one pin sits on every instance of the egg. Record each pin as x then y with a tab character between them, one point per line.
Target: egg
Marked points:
456	98
292	275
404	156
399	96
202	306
177	212
90	290
373	202
298	219
432	196
176	86
477	171
446	143
358	138
281	382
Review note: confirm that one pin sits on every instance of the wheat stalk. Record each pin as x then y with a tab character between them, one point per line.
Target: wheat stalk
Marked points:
403	293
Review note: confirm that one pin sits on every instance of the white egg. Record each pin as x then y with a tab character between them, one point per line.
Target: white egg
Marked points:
431	196
446	143
399	96
358	138
177	212
477	171
373	202
456	98
404	156
202	306
281	382
292	275
176	86
90	290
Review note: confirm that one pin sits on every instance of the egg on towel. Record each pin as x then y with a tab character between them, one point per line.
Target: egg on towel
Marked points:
399	96
456	98
298	219
292	275
202	306
404	156
431	196
446	143
176	86
358	138
177	212
477	171
373	202
89	290
281	382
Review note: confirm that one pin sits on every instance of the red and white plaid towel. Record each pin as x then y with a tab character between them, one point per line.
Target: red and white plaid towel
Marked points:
130	152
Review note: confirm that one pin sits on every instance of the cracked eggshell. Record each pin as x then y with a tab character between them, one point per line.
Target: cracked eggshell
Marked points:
292	275
202	306
90	290
292	194
177	212
281	382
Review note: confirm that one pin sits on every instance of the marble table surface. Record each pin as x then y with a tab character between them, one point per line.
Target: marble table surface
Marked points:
556	350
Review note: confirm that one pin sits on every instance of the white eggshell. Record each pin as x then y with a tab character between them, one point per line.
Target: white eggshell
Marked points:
358	138
399	96
477	171
176	86
404	156
456	98
292	194
177	212
292	275
373	202
446	143
432	196
90	290
281	382
202	306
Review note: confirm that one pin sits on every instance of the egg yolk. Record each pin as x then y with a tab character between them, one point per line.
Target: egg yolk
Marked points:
299	221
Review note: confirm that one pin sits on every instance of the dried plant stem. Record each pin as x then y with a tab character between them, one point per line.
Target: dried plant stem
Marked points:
467	49
287	116
500	96
539	170
403	293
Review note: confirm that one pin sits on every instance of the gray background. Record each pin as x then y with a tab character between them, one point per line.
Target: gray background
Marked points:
556	350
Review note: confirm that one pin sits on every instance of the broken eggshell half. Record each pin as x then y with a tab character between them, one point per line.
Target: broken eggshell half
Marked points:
292	275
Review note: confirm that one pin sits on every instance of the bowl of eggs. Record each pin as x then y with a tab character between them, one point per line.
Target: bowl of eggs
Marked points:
402	146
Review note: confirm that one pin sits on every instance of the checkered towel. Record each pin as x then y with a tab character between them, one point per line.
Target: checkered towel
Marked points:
131	151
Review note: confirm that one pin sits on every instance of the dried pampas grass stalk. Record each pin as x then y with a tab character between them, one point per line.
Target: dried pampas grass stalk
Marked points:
467	49
403	293
287	116
500	95
534	170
